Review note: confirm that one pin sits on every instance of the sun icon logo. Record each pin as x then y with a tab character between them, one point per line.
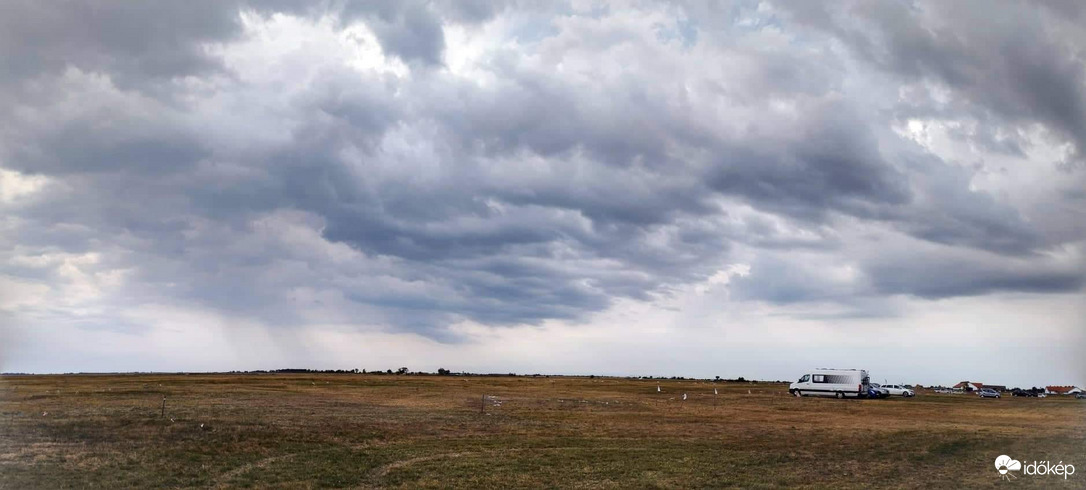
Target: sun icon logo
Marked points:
1005	465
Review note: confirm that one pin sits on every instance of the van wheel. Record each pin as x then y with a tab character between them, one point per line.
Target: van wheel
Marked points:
840	395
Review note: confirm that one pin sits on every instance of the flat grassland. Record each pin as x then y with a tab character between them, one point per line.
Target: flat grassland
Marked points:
345	430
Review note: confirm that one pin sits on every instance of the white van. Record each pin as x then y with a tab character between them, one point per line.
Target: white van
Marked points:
841	383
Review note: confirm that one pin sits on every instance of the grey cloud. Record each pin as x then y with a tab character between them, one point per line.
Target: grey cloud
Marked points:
144	45
957	275
830	163
133	41
862	277
420	201
782	281
471	11
413	30
410	30
1021	63
85	146
947	212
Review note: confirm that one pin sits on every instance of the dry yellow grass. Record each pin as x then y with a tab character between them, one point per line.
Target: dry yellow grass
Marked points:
296	431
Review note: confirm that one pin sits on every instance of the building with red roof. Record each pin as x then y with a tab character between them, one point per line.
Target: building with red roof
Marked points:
1063	390
969	386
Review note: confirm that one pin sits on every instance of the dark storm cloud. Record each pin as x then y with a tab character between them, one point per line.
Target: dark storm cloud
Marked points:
412	202
944	212
94	146
144	43
1009	64
409	29
413	29
949	275
863	276
133	41
831	163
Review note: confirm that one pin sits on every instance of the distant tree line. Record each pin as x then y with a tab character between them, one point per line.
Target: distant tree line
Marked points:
298	371
404	371
715	379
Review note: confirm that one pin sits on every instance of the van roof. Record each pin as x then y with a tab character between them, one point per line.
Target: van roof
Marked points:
836	369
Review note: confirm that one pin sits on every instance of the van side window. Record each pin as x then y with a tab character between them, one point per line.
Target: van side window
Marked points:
818	378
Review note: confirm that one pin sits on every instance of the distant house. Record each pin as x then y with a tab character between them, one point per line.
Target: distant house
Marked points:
969	386
999	388
1063	390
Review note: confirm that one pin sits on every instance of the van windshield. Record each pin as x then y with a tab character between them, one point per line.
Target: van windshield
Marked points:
804	378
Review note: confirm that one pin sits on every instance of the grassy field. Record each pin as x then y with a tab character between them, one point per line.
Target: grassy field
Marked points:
293	431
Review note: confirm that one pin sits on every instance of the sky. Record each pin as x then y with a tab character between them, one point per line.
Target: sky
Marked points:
670	189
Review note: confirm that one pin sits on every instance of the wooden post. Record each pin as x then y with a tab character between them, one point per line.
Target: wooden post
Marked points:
163	407
482	404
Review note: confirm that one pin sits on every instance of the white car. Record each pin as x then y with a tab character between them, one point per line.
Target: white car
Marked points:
899	390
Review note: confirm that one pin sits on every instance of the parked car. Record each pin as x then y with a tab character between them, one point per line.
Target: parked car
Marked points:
1020	392
1080	396
988	393
877	391
840	383
899	390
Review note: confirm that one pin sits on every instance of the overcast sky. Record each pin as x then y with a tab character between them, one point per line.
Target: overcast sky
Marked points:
694	189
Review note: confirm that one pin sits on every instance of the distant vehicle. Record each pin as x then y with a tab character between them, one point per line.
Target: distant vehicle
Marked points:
840	383
899	390
1080	396
1027	393
988	393
877	391
1034	392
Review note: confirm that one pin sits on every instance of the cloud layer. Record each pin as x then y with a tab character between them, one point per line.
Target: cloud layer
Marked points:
413	166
